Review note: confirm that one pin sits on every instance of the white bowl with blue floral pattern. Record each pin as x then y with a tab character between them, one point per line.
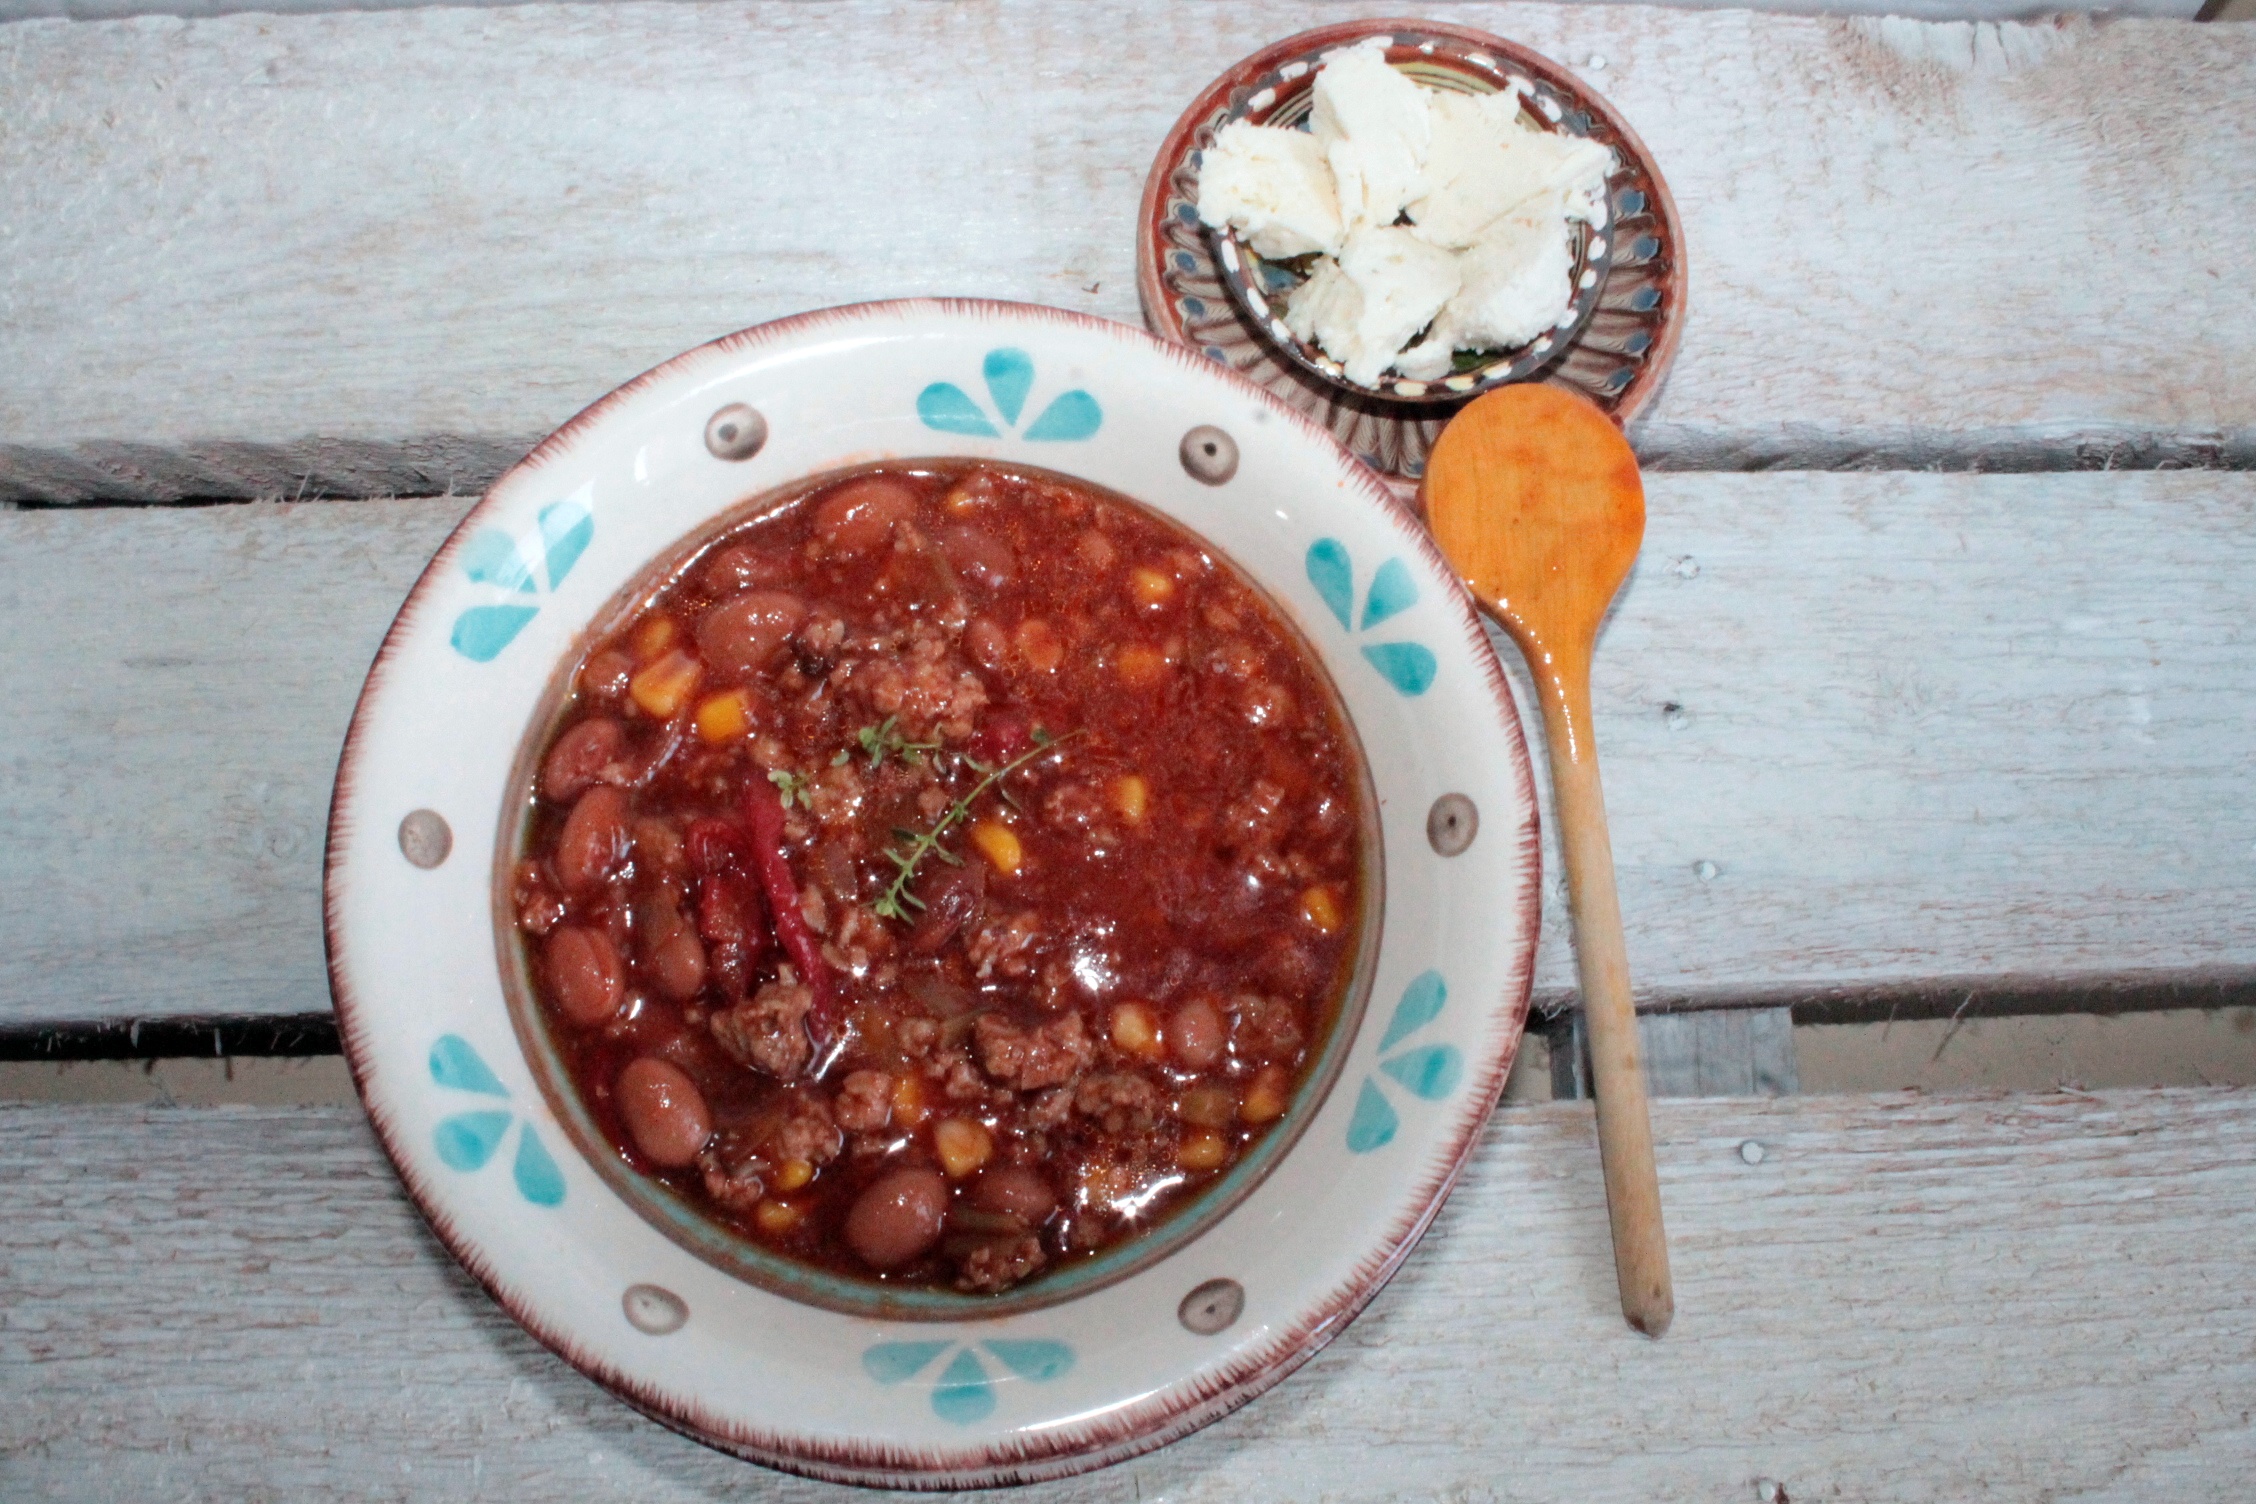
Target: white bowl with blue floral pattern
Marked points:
428	791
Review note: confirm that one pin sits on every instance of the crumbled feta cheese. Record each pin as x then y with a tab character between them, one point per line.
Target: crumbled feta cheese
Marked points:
1434	213
1273	187
1515	283
1483	165
1374	126
1389	284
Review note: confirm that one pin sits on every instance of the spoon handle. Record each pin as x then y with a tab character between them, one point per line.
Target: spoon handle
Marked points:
1617	1069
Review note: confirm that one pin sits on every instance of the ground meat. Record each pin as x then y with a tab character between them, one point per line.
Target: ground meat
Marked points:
768	1031
1083	809
803	1128
931	691
1121	1101
1264	1028
1005	947
739	1189
959	1082
1000	1263
1027	1060
917	1037
865	1102
540	908
1050	1109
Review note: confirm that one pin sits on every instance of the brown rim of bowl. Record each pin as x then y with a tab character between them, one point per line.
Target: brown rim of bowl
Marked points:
1394	437
1123	1433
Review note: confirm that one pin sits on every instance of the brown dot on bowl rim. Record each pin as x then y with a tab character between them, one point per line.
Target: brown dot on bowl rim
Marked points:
1212	1307
736	432
424	838
1209	454
653	1309
1452	823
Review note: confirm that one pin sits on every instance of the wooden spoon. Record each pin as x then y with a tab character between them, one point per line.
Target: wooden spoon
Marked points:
1534	495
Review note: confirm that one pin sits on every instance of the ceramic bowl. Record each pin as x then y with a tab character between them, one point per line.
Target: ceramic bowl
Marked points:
429	800
1262	288
1616	356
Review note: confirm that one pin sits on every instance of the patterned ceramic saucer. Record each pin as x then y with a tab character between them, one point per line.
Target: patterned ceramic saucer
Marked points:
431	801
1616	357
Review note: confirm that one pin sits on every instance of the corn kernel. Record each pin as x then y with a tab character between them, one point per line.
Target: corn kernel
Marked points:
1038	646
908	1102
1140	666
1266	1099
1000	845
1131	796
654	636
725	717
792	1174
1202	1149
963	1145
1135	1031
775	1217
663	687
1208	1106
1151	589
1320	906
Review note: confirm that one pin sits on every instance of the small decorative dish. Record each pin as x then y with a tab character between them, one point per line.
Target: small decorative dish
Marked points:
1199	288
437	807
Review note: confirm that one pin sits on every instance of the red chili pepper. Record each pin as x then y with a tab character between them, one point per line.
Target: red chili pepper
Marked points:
763	806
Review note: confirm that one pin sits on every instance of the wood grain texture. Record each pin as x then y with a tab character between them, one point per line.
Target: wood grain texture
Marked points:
1861	732
360	253
1906	1298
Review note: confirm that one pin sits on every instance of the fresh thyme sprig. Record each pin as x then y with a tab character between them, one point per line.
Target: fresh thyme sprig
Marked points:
792	786
880	739
897	899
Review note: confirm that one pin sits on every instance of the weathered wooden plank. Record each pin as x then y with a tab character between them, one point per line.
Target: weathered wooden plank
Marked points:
361	253
1925	10
1859	732
1706	1052
1890	1298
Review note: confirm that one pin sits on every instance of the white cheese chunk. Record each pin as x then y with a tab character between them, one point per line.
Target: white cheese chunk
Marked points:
1273	187
1386	286
1374	126
1483	163
1515	282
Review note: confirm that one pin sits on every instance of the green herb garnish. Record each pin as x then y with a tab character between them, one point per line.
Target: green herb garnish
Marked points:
897	899
880	740
792	786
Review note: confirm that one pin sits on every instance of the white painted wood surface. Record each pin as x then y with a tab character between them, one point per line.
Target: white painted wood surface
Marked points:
1905	1299
382	252
1859	732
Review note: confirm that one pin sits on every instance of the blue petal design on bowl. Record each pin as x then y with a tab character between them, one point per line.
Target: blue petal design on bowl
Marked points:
455	1063
1333	576
1073	415
964	1395
944	406
481	632
1407	666
492	558
892	1362
1432	1072
1010	375
1035	1358
1374	1121
468	1139
566	530
1421	1005
538	1178
1392	592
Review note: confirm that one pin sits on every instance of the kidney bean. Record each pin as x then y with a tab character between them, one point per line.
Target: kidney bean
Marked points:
861	514
671	953
1014	1191
1196	1034
585	974
985	642
664	1111
979	556
1002	735
951	897
594	841
586	754
743	568
898	1217
744	633
606	674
